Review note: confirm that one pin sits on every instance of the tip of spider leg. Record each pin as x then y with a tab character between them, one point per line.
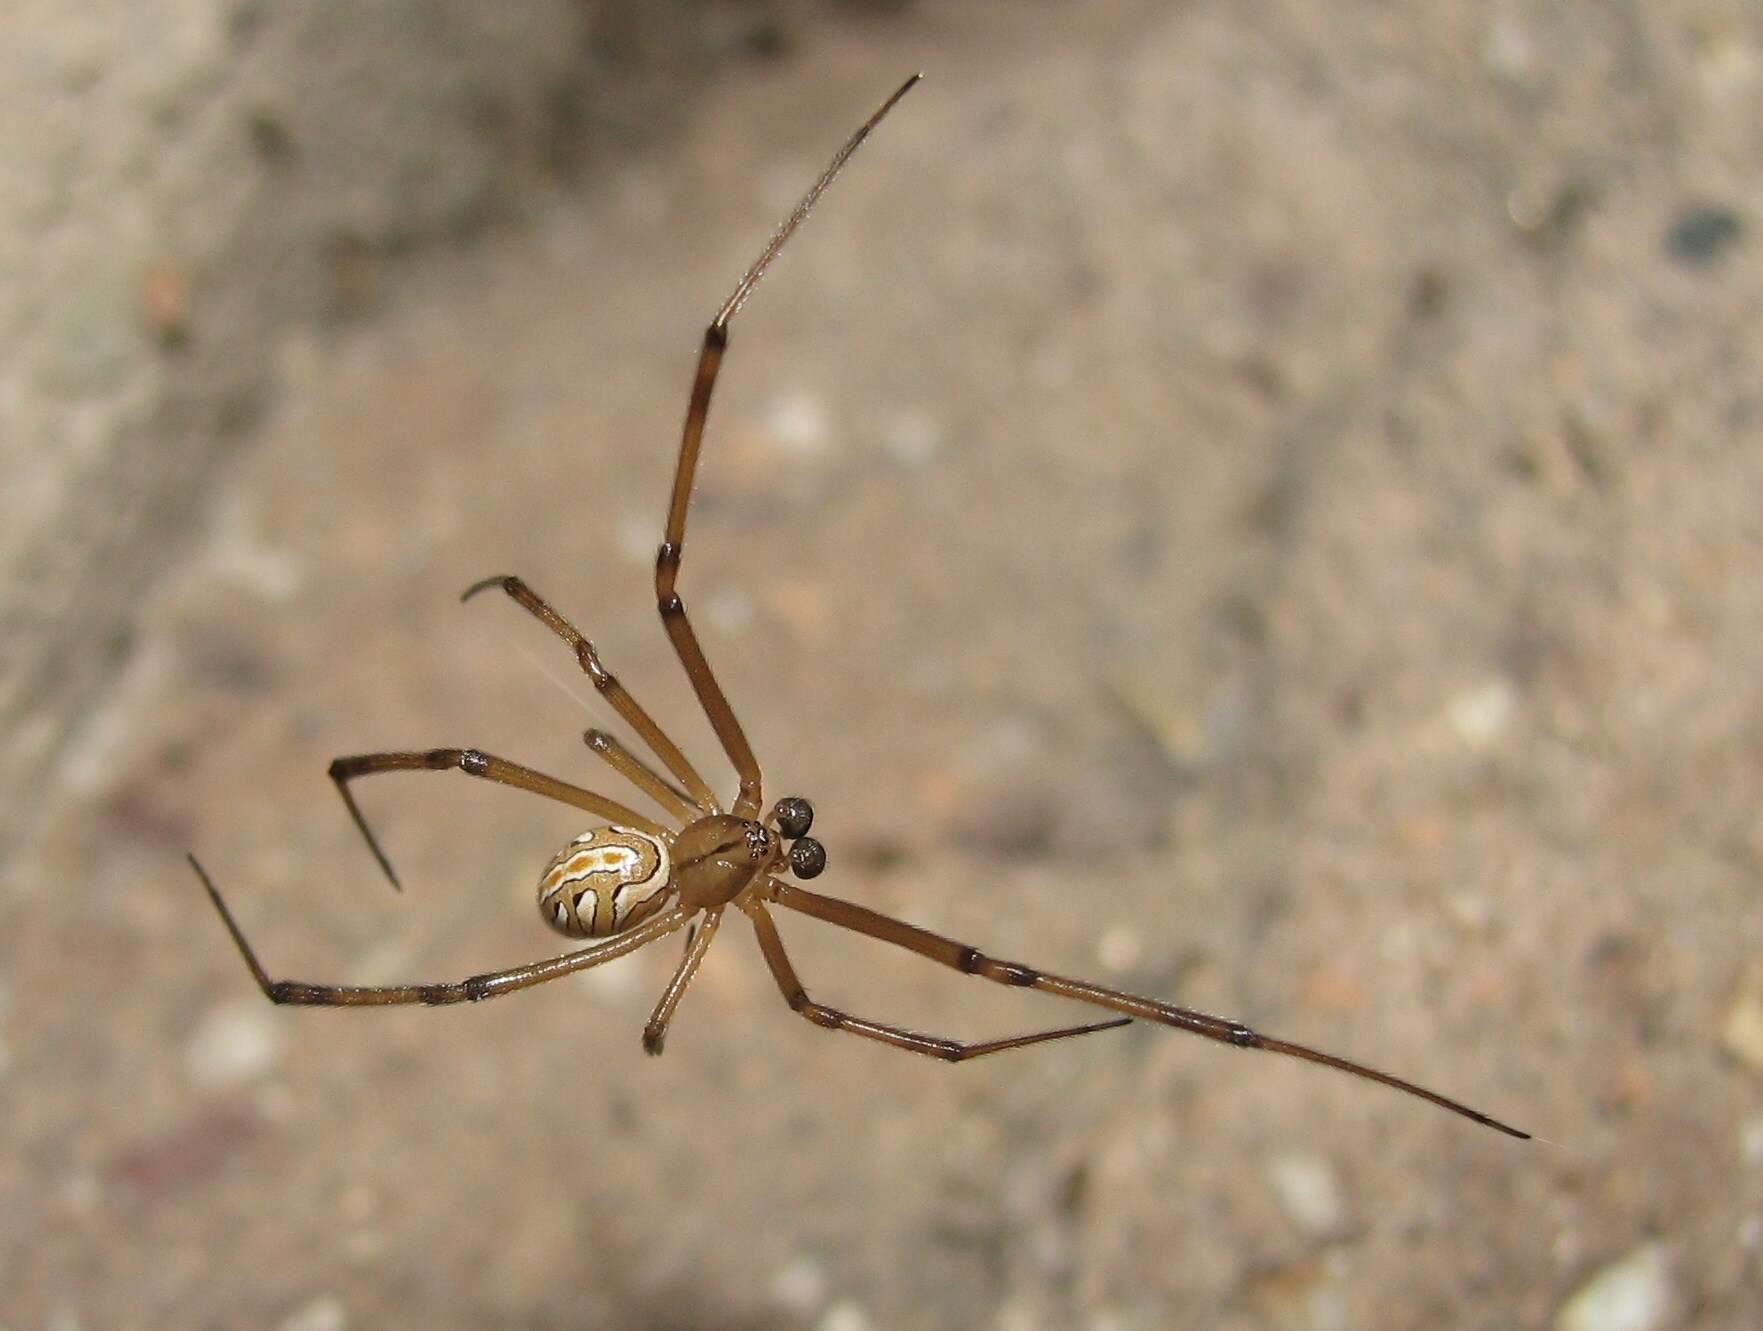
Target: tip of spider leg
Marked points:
232	927
499	580
653	1042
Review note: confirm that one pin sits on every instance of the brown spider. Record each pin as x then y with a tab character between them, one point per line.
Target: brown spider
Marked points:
636	881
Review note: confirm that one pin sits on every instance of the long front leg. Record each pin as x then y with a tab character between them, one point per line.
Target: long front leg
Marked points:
936	1046
673	609
667	562
474	763
971	961
472	989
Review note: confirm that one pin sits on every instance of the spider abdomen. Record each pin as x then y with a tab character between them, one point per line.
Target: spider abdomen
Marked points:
604	882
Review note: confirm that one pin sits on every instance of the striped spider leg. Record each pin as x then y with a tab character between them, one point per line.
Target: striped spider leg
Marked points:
637	880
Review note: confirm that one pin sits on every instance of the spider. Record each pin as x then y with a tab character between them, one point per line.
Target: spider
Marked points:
634	881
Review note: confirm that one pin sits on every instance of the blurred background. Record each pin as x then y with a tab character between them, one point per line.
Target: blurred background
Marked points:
1256	504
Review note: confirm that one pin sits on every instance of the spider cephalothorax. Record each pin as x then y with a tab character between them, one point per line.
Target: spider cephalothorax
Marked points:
638	879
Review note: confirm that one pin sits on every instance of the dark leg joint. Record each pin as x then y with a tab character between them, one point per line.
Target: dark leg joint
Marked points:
670	605
667	558
471	762
1010	973
821	1016
969	960
476	989
1244	1038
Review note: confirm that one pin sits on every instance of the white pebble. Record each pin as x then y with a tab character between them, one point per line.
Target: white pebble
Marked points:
636	537
1478	715
325	1313
1741	1034
800	1285
1508	50
234	1043
1751	1140
845	1315
239	553
799	422
615	984
1631	1294
1307	1190
1119	948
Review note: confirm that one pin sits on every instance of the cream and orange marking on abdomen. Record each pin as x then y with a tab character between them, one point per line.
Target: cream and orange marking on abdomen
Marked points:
604	881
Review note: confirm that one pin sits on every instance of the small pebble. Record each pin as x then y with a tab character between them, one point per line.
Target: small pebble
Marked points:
1307	1189
800	423
845	1315
1726	63
1701	236
165	301
239	554
1751	1140
800	1285
1508	50
325	1313
1119	948
615	985
1741	1033
1477	716
234	1043
1631	1294
636	536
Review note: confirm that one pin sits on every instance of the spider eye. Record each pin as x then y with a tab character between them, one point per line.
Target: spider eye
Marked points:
795	816
807	857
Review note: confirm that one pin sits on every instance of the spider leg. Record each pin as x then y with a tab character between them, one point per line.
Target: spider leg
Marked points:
472	989
474	763
655	1033
667	561
971	961
607	683
951	1051
641	775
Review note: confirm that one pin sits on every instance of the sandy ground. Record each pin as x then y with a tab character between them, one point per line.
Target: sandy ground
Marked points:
1256	506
